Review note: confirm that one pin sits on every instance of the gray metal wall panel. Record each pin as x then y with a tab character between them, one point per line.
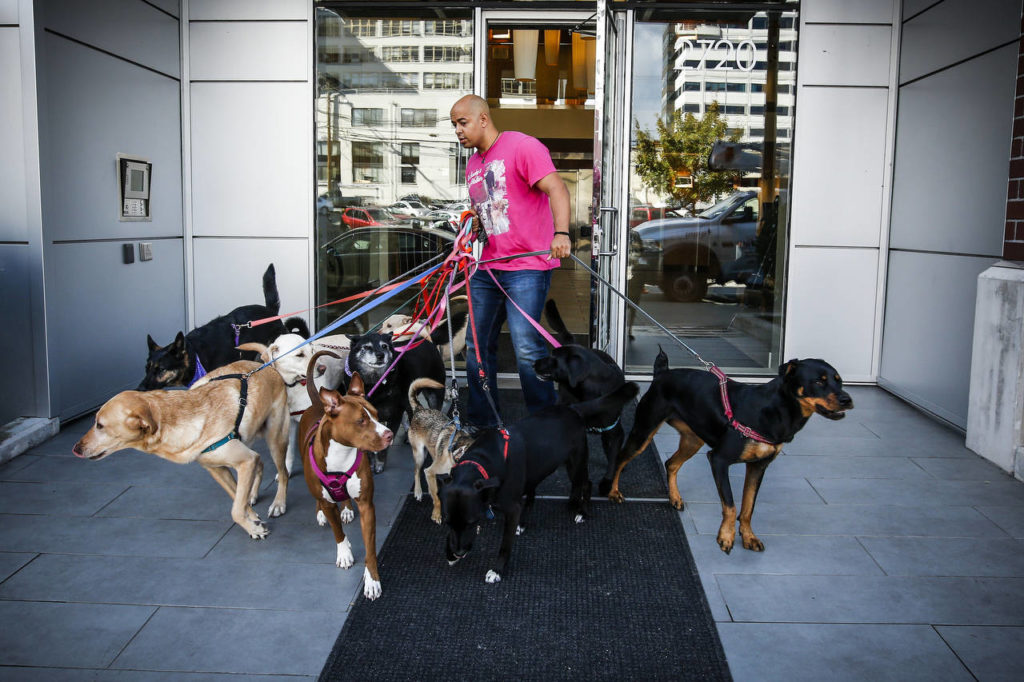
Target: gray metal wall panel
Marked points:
834	54
13	216
929	328
248	9
97	106
17	345
248	50
955	30
169	6
99	321
952	156
846	12
129	28
251	165
8	11
912	7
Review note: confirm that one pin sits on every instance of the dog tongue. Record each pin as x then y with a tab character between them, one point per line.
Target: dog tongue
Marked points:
302	381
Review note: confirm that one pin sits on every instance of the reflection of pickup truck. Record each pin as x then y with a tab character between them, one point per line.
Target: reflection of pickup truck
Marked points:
680	255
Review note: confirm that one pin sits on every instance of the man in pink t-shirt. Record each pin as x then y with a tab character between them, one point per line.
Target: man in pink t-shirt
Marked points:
521	205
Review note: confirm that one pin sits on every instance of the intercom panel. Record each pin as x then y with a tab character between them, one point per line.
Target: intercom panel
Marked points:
134	179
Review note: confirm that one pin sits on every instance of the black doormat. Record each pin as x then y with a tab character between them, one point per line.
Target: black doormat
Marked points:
617	597
644	477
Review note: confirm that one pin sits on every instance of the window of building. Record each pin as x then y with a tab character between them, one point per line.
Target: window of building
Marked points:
367	117
735	87
445	81
445	53
400	27
410	160
457	164
691	108
691	86
328	54
446	27
406	79
734	109
367	161
400	53
419	118
714	86
361	28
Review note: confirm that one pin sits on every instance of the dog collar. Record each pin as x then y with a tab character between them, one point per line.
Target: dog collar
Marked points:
603	429
348	371
478	465
200	371
334	483
745	431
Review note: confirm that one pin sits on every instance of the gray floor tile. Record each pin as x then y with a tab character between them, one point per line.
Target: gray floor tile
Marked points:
992	654
696	484
129	467
88	635
1010	519
948	556
125	537
845	466
194	503
65	499
919	492
923	429
871	599
10	562
10	467
61	444
853	653
185	582
962	469
719	611
848	427
230	640
856	519
872	447
786	555
101	675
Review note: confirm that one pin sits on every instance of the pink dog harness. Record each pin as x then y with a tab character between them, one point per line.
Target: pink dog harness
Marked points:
335	483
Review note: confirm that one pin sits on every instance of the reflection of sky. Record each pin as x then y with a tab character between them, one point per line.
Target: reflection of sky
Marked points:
648	73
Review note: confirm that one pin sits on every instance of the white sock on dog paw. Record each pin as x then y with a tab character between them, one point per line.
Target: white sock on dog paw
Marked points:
579	518
277	509
520	530
347	515
345	558
371	587
321	518
492	577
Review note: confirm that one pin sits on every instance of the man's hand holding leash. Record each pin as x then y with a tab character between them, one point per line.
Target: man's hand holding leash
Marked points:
560	245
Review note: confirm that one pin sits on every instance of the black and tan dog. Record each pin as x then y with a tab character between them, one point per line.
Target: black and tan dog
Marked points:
771	414
583	374
536	446
213	345
338	431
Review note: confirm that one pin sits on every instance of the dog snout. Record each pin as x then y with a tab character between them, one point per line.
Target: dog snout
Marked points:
388	436
77	450
845	401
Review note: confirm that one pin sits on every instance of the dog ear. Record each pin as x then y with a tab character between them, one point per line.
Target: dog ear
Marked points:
576	369
331	400
141	419
482	484
151	343
787	368
178	345
356	386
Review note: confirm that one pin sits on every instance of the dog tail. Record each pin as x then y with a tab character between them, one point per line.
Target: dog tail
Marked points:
660	362
418	385
258	348
562	332
311	390
297	325
270	296
607	406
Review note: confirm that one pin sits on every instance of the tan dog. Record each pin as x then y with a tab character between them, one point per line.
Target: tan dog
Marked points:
336	432
181	425
431	431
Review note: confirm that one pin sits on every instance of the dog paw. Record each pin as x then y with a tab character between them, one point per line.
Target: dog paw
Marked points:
417	496
492	577
616	496
276	509
579	518
321	518
371	587
435	516
347	515
344	558
677	503
725	544
258	531
753	543
378	467
520	530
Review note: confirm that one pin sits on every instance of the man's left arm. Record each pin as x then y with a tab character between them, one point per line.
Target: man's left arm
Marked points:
558	197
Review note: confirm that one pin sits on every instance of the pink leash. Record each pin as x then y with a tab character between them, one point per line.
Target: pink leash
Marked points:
536	325
746	431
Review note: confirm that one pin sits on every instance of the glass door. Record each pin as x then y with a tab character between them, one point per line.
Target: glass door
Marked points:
611	68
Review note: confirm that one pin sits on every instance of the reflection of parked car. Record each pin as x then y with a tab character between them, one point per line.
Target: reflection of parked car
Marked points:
362	216
681	254
408	209
366	257
641	214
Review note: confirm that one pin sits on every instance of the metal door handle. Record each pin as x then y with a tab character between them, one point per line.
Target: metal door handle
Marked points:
615	247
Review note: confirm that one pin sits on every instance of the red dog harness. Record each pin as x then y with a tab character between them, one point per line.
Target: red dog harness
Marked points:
746	431
335	483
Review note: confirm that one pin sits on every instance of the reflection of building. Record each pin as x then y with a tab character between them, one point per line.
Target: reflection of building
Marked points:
727	64
384	91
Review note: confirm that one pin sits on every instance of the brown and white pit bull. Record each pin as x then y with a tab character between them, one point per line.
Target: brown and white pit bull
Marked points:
337	430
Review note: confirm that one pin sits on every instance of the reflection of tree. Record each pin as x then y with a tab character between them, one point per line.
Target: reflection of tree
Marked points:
680	151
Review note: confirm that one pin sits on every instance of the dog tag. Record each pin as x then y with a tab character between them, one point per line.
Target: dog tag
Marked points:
489	514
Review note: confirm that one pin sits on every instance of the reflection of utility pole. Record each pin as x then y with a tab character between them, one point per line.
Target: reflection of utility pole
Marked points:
330	144
771	99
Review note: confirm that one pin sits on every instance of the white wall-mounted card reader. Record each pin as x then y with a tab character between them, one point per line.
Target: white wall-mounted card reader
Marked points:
134	178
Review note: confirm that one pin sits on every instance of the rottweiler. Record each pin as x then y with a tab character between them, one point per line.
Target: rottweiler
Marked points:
499	472
764	417
584	374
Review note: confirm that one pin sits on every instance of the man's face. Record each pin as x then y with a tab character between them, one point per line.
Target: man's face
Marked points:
468	126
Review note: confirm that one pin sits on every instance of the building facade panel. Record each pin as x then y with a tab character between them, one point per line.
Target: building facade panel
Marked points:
845	12
823	282
838	166
152	40
833	54
248	10
928	330
229	273
949	189
13	217
248	50
17	348
954	30
251	166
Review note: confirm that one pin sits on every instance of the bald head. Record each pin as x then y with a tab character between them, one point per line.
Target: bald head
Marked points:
471	117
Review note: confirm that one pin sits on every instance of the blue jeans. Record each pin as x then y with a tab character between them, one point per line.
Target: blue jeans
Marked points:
529	288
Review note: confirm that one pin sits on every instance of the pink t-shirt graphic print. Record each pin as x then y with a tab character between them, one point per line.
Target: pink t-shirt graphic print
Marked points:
514	213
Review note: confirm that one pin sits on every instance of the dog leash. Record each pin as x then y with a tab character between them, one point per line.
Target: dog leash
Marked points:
746	431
